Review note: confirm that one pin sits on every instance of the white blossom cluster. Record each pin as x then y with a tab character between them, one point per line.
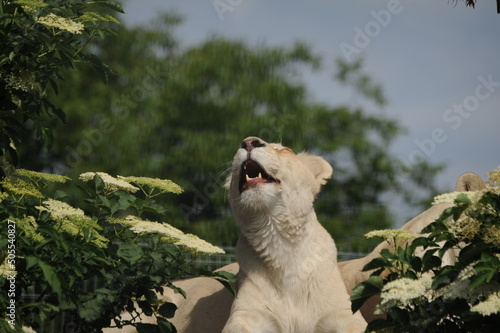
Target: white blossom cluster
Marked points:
192	243
111	183
402	292
62	23
23	80
405	292
489	306
72	220
162	185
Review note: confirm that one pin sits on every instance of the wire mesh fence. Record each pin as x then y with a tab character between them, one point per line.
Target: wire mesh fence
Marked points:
210	262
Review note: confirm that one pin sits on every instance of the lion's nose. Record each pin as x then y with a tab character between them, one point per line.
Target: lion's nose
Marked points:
251	143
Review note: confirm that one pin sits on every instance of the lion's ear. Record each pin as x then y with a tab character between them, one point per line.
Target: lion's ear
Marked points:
321	169
469	182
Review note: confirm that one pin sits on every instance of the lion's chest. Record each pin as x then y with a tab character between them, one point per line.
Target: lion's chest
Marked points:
296	301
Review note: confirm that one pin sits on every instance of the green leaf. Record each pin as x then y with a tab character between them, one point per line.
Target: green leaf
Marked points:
166	326
130	252
377	263
105	202
462	198
151	206
167	310
230	277
227	279
145	307
51	277
421	241
441	279
109	4
147	328
429	260
398	315
104	32
30	262
176	289
479	280
363	291
125	200
416	264
99	184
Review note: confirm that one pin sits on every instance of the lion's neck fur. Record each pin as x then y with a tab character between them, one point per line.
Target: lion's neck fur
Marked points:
278	240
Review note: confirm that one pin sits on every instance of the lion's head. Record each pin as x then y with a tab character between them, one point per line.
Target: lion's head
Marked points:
268	179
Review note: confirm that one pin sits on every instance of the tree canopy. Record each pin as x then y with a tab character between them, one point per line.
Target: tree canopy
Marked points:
180	113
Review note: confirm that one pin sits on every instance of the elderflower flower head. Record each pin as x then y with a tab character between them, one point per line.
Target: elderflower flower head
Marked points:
111	183
140	226
197	245
489	306
162	185
402	291
392	234
96	17
23	80
492	235
31	6
3	196
51	178
169	234
62	23
7	269
29	226
73	220
59	209
466	227
494	177
451	198
460	288
28	329
20	187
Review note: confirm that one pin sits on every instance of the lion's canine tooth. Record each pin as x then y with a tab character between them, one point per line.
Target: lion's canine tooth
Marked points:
260	175
247	178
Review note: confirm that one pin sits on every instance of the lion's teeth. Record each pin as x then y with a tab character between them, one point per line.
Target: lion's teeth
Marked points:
247	177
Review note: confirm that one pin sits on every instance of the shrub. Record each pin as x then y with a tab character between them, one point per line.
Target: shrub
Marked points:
40	39
93	259
420	294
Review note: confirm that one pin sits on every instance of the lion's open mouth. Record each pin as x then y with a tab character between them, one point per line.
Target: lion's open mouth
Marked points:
252	174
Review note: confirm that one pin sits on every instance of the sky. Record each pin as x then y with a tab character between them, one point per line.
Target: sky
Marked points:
437	61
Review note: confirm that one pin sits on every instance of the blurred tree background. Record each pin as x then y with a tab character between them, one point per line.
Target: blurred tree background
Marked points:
180	113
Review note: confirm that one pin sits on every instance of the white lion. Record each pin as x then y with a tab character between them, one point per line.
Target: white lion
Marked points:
289	280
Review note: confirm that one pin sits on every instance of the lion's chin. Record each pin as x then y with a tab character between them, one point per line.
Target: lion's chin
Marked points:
258	196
